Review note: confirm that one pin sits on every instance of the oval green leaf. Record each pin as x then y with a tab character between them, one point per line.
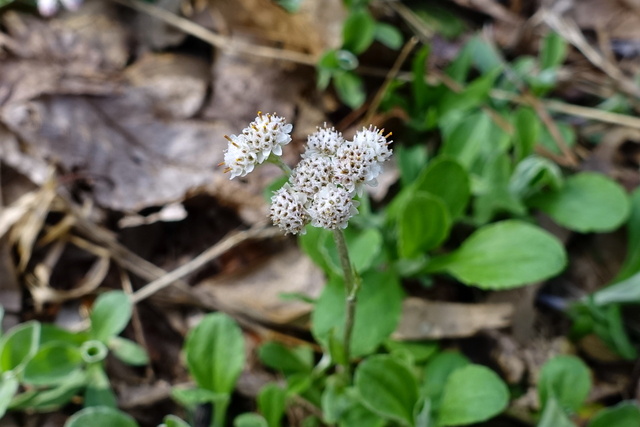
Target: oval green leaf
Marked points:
372	325
455	193
566	379
19	345
110	314
272	404
100	416
52	363
472	394
358	31
388	388
423	224
128	351
588	202
215	353
625	414
504	255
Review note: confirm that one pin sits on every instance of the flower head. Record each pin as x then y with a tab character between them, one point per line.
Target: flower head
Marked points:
50	7
311	174
288	211
359	162
265	135
239	157
332	207
324	142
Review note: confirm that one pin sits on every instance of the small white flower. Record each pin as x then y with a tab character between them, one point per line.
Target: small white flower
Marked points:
332	207
239	157
311	174
268	134
324	141
50	7
359	162
287	210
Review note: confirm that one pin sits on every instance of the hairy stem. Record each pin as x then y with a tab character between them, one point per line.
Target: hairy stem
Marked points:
352	285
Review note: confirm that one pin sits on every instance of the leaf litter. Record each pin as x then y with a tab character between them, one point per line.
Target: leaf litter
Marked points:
120	125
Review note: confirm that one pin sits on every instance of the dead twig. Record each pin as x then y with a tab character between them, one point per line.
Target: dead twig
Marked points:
217	40
232	240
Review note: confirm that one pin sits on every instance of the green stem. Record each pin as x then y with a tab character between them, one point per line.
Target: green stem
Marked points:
219	417
276	160
352	285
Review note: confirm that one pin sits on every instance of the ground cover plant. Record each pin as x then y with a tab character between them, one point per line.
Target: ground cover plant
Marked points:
422	214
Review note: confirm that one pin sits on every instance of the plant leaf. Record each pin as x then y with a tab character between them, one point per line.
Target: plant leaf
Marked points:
625	414
424	223
8	387
504	255
215	353
110	314
128	351
52	363
387	387
372	325
288	360
472	394
566	379
588	202
272	404
358	31
19	345
100	416
455	194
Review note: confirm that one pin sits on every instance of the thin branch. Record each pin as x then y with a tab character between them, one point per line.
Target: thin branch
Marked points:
217	40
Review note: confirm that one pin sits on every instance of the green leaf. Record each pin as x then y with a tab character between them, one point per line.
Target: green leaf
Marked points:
411	160
566	379
288	360
472	96
98	392
567	133
588	202
100	416
455	194
625	414
631	264
424	223
215	353
291	6
372	325
388	35
624	292
504	255
192	397
486	56
52	363
314	243
532	174
472	394
554	416
110	314
464	140
249	420
553	51
173	421
350	88
420	351
388	388
19	345
527	127
53	398
364	247
437	372
419	87
128	351
336	399
272	404
8	387
358	31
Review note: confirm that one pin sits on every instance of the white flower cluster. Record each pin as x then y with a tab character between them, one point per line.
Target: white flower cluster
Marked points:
321	188
265	135
50	7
